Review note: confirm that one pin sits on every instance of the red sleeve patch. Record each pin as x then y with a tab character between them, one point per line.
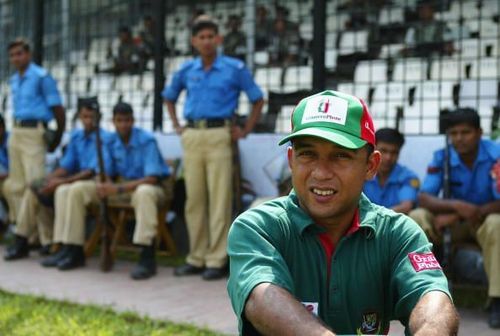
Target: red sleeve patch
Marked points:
433	170
423	261
495	174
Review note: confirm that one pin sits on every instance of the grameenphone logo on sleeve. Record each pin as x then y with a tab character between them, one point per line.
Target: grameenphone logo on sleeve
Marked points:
325	109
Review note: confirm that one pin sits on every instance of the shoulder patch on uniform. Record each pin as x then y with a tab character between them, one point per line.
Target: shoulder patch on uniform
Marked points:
415	183
433	170
423	261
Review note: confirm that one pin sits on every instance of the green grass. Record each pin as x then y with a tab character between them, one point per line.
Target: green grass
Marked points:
23	315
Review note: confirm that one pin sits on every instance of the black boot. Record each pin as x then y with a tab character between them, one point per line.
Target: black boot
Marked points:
494	319
45	250
146	267
74	258
18	250
55	258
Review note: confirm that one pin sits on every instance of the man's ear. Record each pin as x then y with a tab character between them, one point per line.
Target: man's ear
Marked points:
219	39
289	154
373	164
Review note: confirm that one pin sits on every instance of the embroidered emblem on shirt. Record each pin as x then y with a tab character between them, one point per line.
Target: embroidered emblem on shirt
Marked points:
311	307
415	183
495	174
423	261
370	324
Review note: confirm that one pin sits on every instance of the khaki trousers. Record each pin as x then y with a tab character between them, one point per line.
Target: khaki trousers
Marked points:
26	163
488	237
33	216
145	200
208	178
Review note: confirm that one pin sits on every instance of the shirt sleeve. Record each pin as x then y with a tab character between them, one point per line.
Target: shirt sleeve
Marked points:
171	92
433	181
153	161
409	188
69	161
50	92
254	258
248	85
415	270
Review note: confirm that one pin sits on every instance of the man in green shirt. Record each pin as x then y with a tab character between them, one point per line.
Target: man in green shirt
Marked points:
324	259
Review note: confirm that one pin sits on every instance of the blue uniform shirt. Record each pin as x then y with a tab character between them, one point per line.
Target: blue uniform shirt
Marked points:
81	153
212	94
402	185
140	158
476	186
4	156
34	94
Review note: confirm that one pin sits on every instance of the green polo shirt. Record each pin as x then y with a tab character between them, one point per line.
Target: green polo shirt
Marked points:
377	273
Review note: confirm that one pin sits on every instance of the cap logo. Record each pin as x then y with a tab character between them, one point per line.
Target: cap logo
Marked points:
325	109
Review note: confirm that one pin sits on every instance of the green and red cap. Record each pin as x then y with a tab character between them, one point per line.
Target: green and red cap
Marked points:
334	116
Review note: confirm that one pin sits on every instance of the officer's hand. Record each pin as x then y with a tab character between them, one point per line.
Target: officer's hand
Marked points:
51	185
442	221
179	130
468	211
237	133
106	189
52	147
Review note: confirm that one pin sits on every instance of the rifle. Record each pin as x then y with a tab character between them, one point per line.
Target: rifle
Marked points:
446	195
237	207
106	261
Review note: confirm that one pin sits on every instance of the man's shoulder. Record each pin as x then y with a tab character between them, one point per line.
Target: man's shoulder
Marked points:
76	134
144	137
492	149
266	216
187	65
38	70
404	173
232	62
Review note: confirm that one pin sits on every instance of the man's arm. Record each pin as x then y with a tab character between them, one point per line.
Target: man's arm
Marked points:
274	311
404	207
434	314
465	210
489	208
60	117
173	116
251	120
109	188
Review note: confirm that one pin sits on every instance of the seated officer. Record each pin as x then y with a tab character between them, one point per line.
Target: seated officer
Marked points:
77	164
472	212
137	170
394	186
4	171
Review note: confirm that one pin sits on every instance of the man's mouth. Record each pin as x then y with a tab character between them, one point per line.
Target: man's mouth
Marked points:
323	192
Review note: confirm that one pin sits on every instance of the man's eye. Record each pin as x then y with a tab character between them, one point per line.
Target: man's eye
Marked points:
306	153
342	155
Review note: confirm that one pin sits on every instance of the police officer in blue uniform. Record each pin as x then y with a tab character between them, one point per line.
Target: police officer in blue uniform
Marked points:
473	210
213	83
394	186
36	102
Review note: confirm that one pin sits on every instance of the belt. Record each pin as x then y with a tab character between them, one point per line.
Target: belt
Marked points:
208	123
29	123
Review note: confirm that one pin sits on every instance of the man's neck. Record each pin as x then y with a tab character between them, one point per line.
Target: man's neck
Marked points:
22	69
338	227
126	138
208	61
383	176
469	158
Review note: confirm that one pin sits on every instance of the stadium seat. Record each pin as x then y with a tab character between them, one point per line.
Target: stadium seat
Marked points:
448	68
391	50
283	124
261	57
330	58
269	78
410	69
353	41
370	71
297	78
390	15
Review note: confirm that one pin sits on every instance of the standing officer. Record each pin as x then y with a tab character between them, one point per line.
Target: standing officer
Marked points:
78	163
138	170
472	212
324	259
4	172
394	186
36	102
213	83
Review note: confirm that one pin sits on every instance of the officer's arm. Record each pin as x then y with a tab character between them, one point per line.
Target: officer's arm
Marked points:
274	311
60	117
434	314
254	116
404	207
489	208
173	115
436	204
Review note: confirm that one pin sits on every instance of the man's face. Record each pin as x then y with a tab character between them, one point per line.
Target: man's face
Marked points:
87	118
206	42
390	155
327	178
123	124
465	138
19	57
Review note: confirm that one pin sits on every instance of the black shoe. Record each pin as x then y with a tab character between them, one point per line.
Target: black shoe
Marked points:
146	267
214	273
18	250
45	250
54	259
494	319
74	259
187	269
